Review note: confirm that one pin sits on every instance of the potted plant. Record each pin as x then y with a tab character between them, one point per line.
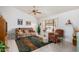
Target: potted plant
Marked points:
38	29
2	46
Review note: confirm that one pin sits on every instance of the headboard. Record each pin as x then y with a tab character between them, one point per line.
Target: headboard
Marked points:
23	31
29	29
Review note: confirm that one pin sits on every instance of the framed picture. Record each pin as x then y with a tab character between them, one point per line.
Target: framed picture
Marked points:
28	22
20	21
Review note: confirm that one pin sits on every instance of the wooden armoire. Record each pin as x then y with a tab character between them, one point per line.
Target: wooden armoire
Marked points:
3	29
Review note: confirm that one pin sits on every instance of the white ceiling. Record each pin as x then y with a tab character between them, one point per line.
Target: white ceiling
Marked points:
47	10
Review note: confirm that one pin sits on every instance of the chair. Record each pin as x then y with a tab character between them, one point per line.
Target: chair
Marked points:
53	38
60	34
57	36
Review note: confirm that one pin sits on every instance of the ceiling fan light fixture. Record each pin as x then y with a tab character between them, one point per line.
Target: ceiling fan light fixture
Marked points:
35	11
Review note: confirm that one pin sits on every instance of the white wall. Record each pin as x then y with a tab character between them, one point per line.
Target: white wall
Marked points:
62	18
12	14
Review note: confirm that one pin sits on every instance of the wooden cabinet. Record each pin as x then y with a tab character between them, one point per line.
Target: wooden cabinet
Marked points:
3	29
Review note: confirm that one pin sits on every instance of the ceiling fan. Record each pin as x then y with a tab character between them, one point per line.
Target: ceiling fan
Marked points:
35	11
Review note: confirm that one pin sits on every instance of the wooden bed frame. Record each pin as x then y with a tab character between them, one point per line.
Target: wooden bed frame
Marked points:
23	29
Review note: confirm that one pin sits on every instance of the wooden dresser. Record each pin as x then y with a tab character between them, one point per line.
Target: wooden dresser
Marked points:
3	29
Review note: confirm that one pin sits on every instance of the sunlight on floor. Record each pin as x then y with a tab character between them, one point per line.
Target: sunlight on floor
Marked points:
12	47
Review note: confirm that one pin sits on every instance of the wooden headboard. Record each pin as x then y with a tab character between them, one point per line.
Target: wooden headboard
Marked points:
29	29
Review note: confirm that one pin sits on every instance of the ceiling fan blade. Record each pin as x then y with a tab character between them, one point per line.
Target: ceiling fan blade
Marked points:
34	13
39	12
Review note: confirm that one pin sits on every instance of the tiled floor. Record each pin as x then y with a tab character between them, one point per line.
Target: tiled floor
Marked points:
61	47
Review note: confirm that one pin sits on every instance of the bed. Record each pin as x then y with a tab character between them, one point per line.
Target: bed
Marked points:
27	40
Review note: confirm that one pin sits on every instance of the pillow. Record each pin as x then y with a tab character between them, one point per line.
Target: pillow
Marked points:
26	31
33	33
19	32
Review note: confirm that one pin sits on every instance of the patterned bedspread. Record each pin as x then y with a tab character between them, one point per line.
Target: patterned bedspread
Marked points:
29	43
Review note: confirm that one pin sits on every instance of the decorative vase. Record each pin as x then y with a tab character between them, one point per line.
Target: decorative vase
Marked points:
74	40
